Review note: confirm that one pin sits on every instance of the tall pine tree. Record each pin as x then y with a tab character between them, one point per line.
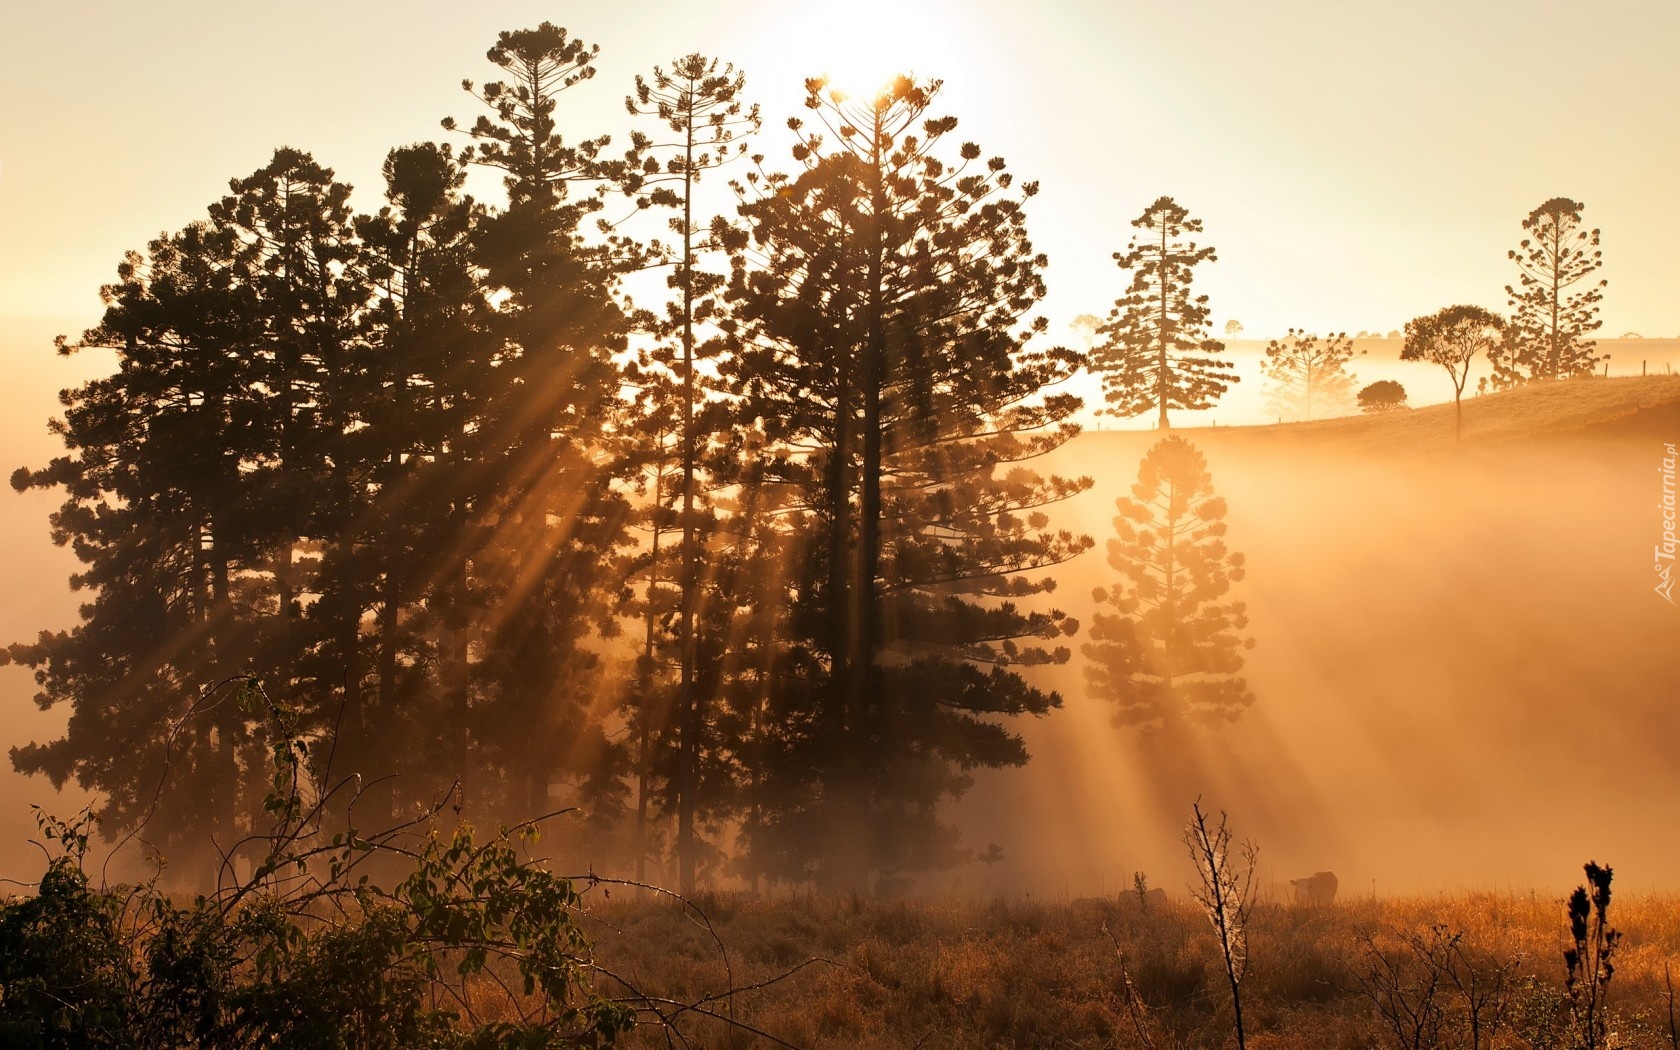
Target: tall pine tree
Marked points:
1550	323
699	103
428	374
160	513
880	309
1154	351
543	546
205	479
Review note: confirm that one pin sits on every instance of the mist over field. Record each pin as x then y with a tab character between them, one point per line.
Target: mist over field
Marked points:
1463	676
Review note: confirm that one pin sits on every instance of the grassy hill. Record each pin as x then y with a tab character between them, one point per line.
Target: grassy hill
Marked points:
1619	405
1615	406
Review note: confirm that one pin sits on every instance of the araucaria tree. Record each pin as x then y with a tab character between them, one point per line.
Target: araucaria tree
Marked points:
699	102
542	543
1169	653
199	477
364	459
1154	352
1309	376
1551	318
1452	338
880	306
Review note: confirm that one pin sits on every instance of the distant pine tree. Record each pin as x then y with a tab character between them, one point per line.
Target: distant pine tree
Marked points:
1309	377
1170	652
1547	337
1154	351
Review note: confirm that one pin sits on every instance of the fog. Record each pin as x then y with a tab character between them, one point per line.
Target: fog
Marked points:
1463	676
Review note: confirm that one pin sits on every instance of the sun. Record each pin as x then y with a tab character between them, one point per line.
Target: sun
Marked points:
862	46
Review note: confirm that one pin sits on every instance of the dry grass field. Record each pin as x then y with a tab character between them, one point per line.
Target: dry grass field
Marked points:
1025	973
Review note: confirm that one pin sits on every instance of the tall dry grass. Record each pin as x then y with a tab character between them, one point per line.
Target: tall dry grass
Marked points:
1027	973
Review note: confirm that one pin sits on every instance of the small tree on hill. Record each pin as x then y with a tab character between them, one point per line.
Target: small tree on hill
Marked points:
1452	338
1171	650
1309	376
1385	395
1155	351
1233	328
1549	323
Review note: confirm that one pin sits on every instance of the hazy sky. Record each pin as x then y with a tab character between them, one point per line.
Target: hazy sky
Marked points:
1356	163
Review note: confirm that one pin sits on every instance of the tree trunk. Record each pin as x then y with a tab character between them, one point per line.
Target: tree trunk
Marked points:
1161	384
689	745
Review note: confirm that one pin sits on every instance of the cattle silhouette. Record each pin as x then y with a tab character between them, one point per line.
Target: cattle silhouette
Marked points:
1316	890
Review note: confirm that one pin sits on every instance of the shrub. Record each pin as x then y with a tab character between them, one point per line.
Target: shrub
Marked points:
474	947
1385	395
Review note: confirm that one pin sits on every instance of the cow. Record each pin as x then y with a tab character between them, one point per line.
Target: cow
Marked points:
1318	889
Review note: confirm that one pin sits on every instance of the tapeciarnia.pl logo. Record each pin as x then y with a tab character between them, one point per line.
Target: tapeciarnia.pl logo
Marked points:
1664	551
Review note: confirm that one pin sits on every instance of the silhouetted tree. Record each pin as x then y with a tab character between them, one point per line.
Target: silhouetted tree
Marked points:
1547	336
522	138
1156	352
175	559
544	547
879	308
700	103
299	255
1385	395
205	480
1233	328
430	372
1308	377
1452	338
1170	651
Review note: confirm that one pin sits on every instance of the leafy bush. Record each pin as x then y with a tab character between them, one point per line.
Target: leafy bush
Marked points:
1385	395
474	947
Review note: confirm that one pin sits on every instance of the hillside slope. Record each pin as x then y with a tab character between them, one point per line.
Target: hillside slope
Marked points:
1449	637
1622	406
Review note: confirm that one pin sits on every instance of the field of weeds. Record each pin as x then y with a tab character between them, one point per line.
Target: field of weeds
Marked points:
1119	972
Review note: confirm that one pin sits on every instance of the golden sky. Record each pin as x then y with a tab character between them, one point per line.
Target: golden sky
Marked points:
1356	163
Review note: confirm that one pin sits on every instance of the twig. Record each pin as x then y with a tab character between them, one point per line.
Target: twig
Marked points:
1135	1006
1673	1031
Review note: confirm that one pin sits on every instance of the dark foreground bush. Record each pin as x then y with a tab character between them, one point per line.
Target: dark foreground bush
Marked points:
473	947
